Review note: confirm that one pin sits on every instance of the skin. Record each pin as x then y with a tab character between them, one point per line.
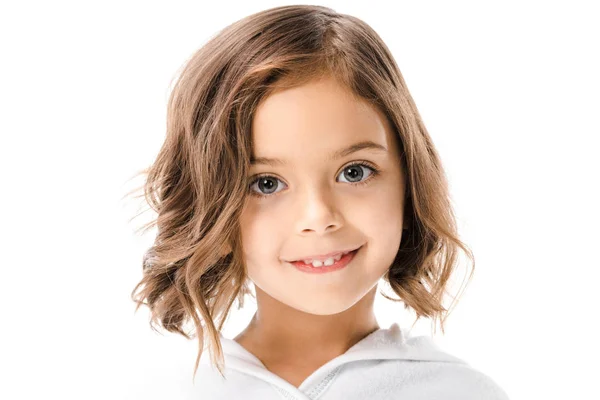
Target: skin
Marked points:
315	207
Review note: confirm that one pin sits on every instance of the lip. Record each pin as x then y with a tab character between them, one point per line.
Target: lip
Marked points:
325	256
337	265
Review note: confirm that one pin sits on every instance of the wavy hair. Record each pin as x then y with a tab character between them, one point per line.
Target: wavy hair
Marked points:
197	185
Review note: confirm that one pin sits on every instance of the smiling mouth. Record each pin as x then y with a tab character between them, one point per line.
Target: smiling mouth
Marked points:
321	268
323	259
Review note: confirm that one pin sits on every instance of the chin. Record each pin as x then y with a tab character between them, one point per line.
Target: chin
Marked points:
319	309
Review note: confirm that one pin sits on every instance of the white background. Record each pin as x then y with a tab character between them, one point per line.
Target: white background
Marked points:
508	90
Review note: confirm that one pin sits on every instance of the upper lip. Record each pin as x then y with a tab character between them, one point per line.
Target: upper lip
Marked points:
325	256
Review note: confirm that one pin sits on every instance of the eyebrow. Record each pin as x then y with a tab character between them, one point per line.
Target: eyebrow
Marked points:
367	144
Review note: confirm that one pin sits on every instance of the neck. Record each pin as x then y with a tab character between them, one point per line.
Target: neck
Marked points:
278	332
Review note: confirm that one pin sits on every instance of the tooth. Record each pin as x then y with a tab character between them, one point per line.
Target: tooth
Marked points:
329	261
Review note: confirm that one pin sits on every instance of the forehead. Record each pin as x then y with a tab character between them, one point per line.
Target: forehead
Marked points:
319	117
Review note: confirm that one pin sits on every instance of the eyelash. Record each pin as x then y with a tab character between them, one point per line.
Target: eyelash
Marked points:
360	163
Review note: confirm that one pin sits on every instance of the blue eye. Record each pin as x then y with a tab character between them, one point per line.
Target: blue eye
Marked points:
353	172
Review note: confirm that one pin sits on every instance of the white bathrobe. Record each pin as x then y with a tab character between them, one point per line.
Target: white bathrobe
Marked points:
384	365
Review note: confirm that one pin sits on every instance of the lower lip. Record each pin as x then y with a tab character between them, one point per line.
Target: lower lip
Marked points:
341	263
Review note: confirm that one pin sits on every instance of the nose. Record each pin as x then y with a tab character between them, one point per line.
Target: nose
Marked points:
318	212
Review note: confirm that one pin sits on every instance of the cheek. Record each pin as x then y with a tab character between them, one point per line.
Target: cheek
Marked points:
381	224
259	231
382	216
261	249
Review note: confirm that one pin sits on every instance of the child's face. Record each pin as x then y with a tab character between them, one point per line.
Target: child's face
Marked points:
315	205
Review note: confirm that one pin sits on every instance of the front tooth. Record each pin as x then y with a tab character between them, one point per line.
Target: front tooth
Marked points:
327	262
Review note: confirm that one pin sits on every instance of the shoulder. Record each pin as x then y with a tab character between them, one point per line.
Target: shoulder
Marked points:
446	376
453	381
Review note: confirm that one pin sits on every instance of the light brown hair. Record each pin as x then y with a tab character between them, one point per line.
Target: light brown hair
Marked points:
198	183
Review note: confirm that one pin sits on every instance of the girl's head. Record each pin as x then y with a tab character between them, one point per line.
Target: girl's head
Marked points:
338	185
302	84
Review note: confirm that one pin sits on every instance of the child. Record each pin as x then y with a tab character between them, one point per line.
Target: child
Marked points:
296	158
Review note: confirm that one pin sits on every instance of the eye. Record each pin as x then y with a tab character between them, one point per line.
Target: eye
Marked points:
354	171
264	182
267	184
